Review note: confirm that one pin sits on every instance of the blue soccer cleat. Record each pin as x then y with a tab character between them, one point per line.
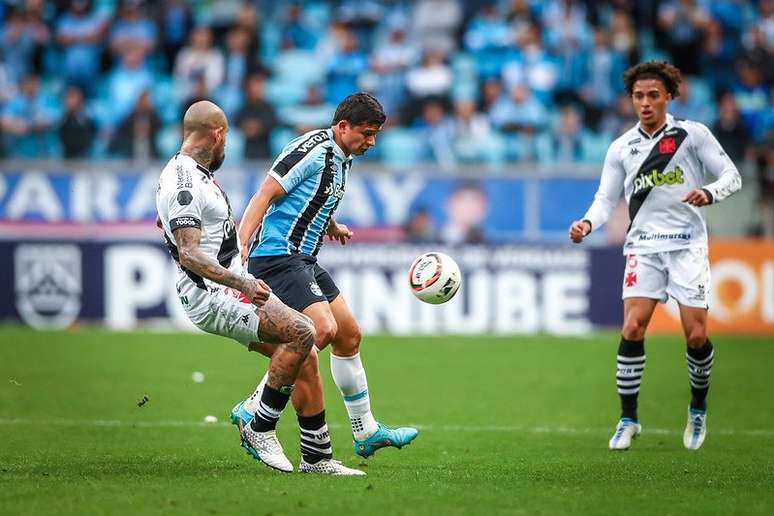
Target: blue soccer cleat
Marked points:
240	416
384	437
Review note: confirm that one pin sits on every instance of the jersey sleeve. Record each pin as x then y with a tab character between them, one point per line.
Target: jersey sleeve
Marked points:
186	202
293	166
610	187
715	161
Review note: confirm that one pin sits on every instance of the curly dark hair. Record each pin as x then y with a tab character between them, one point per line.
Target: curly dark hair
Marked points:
663	71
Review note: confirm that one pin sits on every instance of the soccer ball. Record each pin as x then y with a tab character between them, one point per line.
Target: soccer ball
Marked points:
434	278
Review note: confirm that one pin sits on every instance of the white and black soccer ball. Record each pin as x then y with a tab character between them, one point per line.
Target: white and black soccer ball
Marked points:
434	278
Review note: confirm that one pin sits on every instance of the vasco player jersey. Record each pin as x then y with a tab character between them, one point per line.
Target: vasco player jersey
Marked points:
656	173
188	196
312	169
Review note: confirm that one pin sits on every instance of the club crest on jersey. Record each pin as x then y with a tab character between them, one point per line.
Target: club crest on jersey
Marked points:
667	145
631	279
656	178
48	284
315	288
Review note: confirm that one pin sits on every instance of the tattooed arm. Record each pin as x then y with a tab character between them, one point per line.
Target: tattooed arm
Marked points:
193	259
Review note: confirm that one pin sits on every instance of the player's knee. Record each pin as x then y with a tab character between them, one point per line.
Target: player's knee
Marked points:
347	342
697	337
634	328
326	330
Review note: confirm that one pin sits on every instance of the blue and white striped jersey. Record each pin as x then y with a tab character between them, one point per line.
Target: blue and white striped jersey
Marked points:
313	171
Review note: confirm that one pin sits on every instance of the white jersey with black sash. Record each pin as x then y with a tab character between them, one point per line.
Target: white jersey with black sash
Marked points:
655	173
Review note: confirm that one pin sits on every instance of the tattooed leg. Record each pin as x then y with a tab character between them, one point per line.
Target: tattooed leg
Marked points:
294	334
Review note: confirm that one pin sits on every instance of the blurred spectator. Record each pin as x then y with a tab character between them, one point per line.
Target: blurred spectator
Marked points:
520	112
344	68
535	67
27	120
719	56
751	97
390	60
420	228
491	91
566	28
623	37
759	55
175	20
79	33
621	119
765	22
690	107
473	134
488	30
684	22
135	138
133	31
256	119
730	130
23	38
520	17
127	81
77	130
605	69
312	113
198	61
435	24
432	79
295	33
567	136
437	130
765	172
237	65
466	210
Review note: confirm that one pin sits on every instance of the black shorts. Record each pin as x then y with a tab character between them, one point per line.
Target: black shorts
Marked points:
298	280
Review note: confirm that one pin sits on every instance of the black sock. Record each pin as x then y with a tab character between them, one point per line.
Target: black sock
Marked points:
315	440
699	362
631	364
269	409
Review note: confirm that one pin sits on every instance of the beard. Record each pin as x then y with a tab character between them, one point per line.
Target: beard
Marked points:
217	160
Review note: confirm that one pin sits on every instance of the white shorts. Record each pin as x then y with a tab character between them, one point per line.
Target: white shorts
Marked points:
683	275
224	311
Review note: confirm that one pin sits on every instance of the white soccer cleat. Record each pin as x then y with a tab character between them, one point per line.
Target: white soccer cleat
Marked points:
265	447
626	430
329	467
696	429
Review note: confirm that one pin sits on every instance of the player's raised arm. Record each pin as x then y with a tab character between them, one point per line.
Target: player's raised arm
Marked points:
269	190
718	163
609	193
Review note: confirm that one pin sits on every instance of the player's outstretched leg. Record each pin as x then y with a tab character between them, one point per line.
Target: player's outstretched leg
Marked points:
294	335
350	377
699	360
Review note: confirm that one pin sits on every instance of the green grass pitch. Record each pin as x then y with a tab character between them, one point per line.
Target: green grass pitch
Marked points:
515	425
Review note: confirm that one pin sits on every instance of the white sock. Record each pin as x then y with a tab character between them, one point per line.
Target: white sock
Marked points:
349	376
252	403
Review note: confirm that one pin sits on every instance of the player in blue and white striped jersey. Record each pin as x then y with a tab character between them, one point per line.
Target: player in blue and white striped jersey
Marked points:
294	207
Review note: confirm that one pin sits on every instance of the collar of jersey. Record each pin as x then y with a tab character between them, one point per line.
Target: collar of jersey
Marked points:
670	120
198	166
336	149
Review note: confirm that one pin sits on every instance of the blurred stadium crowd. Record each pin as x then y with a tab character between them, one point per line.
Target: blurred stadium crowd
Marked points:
462	81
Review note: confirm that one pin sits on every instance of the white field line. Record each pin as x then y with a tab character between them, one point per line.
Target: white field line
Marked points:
428	428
